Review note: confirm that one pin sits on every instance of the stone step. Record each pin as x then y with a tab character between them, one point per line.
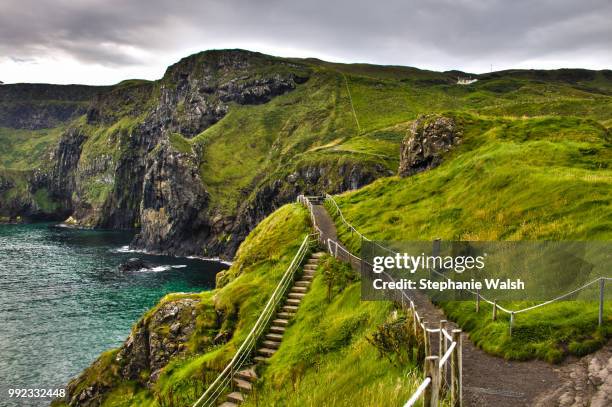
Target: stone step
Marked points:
290	308
280	322
274	337
312	263
248	374
309	273
271	344
302	283
261	359
298	289
266	351
243	385
285	315
308	278
277	329
235	397
310	267
293	301
296	295
228	404
318	255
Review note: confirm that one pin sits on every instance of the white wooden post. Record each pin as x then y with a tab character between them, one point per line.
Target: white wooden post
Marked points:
601	299
457	370
441	352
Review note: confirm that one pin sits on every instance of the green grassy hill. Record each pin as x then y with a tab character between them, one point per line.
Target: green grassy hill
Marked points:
540	178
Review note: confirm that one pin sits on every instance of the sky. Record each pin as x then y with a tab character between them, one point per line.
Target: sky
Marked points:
106	41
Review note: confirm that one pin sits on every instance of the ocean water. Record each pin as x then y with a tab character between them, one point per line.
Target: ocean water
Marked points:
63	300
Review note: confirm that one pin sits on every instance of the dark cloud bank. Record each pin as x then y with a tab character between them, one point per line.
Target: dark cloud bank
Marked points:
439	34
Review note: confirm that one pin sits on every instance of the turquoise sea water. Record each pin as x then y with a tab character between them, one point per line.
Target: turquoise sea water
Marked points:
63	300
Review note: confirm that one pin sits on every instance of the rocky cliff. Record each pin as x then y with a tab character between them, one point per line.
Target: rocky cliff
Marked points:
128	159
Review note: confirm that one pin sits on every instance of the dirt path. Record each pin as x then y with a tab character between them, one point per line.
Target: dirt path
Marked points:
492	381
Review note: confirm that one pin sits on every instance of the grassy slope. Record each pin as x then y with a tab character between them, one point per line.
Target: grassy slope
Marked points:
511	179
325	359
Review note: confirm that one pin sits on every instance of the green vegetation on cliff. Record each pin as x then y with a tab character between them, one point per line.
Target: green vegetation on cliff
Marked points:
223	318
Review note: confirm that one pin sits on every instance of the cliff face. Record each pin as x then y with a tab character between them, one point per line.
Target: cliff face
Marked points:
129	159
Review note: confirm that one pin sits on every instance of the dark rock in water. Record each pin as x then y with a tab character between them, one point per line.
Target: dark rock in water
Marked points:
430	137
135	264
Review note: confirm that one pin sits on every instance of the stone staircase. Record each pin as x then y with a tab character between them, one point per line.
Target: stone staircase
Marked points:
245	379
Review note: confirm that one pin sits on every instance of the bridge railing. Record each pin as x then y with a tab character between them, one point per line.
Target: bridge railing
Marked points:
248	346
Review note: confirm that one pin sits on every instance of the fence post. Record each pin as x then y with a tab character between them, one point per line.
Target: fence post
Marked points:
477	300
430	398
494	310
426	340
511	321
441	352
601	299
457	370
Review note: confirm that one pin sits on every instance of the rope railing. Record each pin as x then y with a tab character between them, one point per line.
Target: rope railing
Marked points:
243	355
512	313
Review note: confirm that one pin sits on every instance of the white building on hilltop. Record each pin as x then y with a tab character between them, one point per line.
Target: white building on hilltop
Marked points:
465	81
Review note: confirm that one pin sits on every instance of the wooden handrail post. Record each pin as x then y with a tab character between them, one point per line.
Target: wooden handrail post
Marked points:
477	300
511	322
426	339
441	352
601	300
456	370
430	398
494	310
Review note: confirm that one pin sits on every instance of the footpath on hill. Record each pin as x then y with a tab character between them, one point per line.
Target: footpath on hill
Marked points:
492	381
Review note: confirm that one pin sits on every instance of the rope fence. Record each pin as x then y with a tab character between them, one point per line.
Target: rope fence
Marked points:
479	297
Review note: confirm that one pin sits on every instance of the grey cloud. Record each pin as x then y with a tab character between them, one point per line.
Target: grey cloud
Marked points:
441	33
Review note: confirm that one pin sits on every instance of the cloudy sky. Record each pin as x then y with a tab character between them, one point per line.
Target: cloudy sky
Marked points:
105	41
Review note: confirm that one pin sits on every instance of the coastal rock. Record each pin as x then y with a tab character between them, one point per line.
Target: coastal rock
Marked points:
155	340
430	137
135	264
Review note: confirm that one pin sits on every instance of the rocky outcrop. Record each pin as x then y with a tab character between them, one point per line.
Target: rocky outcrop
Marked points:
430	137
586	382
153	341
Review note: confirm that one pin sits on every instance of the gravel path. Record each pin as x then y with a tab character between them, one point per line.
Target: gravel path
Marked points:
493	381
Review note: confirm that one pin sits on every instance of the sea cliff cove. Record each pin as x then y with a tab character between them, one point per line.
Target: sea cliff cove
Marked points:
206	203
426	284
